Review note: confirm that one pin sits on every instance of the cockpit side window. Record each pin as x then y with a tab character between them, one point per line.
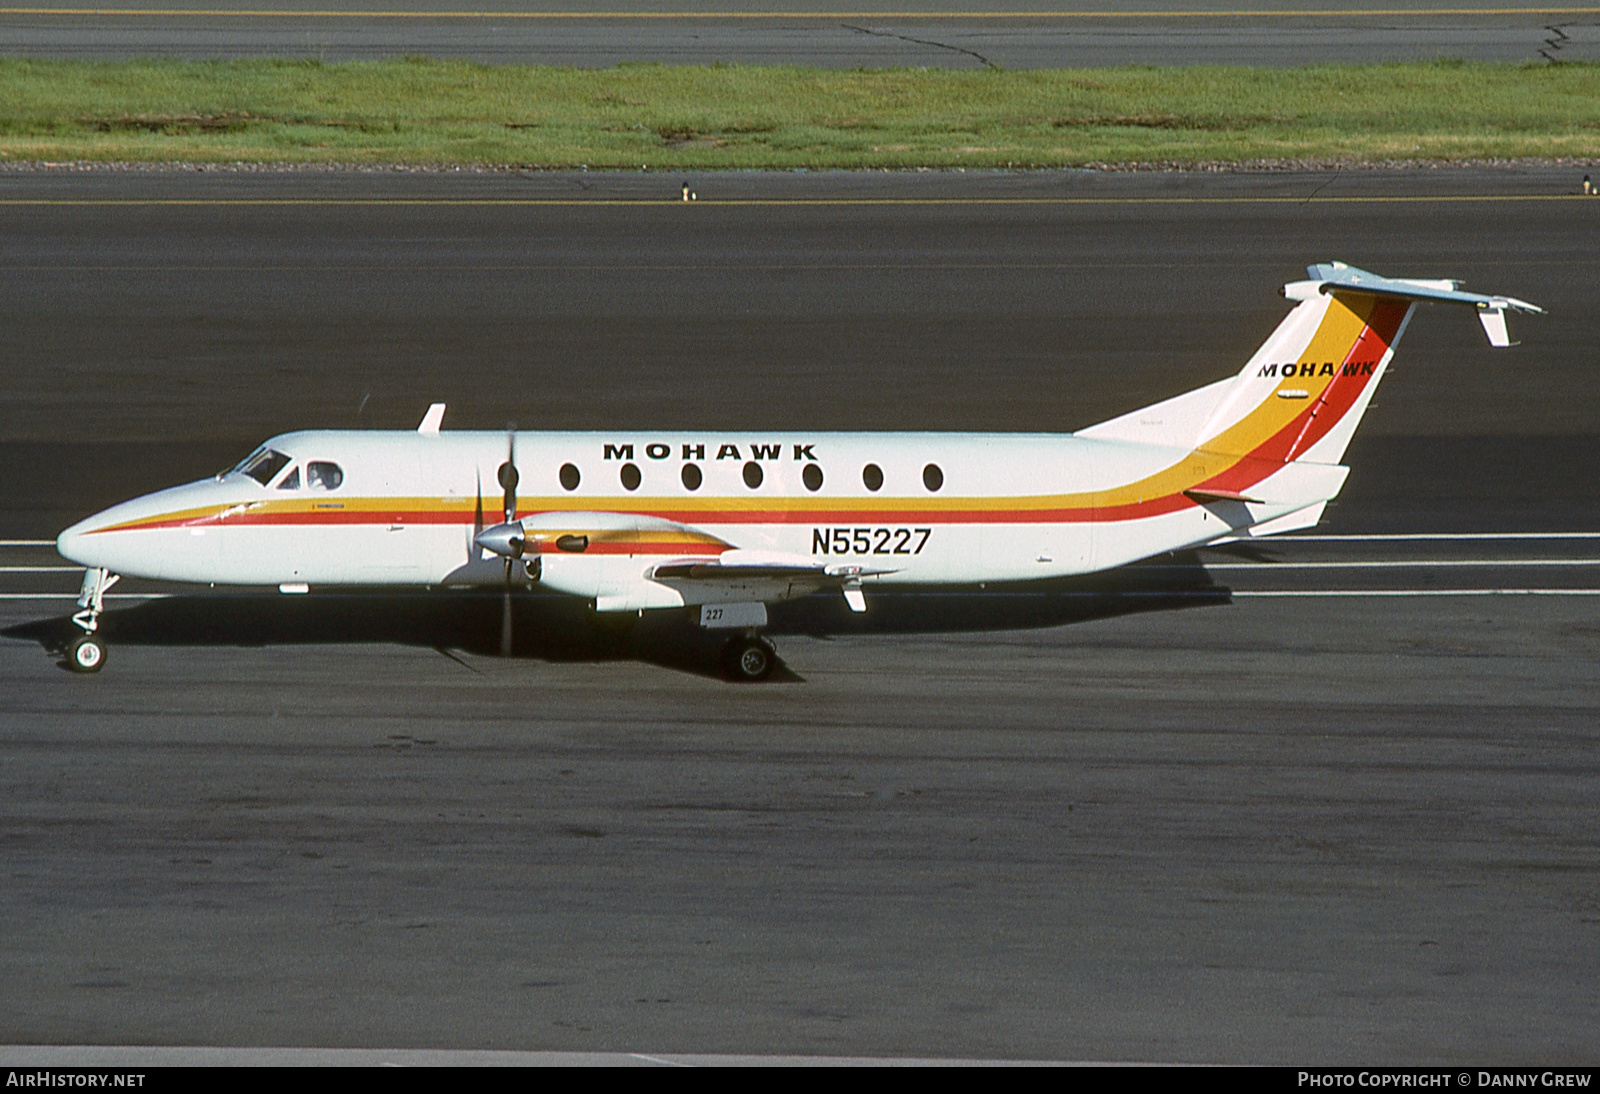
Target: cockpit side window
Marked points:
322	475
291	481
263	465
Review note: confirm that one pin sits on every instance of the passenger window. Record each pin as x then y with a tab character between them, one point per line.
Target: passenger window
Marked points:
291	481
932	477
264	465
570	477
872	477
691	477
321	475
752	474
630	476
812	477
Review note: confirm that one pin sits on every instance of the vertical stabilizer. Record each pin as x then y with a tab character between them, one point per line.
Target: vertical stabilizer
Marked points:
1311	381
1301	396
1262	451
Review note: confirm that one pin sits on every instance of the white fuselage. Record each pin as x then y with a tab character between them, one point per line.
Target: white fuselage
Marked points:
948	508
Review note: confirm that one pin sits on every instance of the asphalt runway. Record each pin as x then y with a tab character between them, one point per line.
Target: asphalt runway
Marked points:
872	35
1323	800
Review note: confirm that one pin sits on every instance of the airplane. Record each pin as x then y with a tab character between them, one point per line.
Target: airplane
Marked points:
719	525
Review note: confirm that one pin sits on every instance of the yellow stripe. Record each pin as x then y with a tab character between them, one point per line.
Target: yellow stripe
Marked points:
1430	199
1239	13
1335	335
709	509
1334	339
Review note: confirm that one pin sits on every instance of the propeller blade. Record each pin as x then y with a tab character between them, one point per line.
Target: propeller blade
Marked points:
477	516
508	476
512	546
505	615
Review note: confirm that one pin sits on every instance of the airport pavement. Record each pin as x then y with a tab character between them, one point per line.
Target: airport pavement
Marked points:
1277	828
1270	832
879	34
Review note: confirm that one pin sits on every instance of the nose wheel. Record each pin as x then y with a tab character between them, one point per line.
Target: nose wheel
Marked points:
748	658
86	654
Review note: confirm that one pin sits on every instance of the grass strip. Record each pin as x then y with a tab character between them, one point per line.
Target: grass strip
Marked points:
423	111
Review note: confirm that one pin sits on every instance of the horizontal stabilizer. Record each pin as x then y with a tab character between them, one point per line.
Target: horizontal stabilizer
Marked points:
1330	277
1337	275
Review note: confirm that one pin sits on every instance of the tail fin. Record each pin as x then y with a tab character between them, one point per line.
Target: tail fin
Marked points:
1303	393
1301	396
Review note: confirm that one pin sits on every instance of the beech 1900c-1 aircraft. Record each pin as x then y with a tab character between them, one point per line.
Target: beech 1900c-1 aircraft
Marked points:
721	525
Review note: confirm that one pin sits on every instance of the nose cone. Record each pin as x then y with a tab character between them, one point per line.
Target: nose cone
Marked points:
79	543
137	538
506	540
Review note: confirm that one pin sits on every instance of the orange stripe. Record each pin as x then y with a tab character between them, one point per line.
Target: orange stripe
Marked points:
1245	453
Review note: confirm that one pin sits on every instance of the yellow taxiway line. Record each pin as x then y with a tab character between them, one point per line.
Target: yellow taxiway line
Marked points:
727	202
1240	13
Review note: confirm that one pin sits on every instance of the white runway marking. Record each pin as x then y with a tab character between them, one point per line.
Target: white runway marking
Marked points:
184	1056
1443	536
1369	564
1415	592
74	596
1380	564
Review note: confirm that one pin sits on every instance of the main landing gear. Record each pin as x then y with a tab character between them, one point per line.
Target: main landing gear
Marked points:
748	658
87	652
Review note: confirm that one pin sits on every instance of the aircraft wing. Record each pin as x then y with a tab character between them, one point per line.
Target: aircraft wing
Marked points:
747	575
700	567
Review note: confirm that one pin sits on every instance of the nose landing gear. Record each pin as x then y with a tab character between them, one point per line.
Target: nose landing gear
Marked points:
87	653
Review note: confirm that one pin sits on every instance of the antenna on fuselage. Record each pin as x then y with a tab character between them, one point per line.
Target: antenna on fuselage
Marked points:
431	420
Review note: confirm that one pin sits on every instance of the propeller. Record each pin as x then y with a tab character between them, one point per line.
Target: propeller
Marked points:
506	539
508	481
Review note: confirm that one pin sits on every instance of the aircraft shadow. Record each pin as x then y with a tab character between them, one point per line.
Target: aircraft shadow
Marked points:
552	627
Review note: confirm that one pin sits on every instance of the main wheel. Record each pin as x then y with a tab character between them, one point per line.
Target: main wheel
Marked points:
86	654
749	659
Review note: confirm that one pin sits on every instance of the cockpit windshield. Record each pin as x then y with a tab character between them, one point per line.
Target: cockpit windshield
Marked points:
262	464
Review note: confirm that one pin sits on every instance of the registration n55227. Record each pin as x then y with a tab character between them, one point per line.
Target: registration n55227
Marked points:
869	541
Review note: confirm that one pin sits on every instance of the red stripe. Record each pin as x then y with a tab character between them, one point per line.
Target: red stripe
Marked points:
1301	433
612	547
1315	422
1341	395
